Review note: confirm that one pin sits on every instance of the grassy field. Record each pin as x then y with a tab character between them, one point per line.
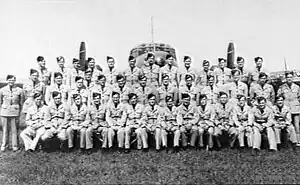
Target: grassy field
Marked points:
187	167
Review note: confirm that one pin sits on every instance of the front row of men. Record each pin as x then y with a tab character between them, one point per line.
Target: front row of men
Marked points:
187	123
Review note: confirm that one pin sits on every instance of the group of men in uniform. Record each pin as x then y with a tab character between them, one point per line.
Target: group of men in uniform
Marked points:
193	108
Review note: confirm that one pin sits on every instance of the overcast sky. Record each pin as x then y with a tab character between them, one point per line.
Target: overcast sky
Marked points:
201	28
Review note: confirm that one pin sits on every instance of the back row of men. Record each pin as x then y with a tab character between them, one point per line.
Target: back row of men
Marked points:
142	82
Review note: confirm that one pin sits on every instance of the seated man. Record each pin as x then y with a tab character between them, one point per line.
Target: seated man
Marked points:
142	90
115	117
55	118
262	119
133	114
187	119
223	123
169	123
35	121
166	89
78	89
283	121
79	120
190	89
206	121
99	124
240	119
151	121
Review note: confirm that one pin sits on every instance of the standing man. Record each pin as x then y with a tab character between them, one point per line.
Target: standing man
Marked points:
291	92
57	86
240	118
240	66
202	78
211	90
111	73
190	89
44	73
186	70
167	90
73	72
262	119
263	89
116	118
258	69
94	71
170	70
283	121
102	88
236	87
223	121
187	119
79	89
142	91
151	71
222	73
61	69
11	102
131	74
122	88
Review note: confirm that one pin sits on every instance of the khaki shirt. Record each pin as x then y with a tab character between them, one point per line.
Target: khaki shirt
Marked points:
202	77
183	72
143	93
234	89
44	76
134	116
35	117
111	76
105	93
55	116
29	90
258	118
83	92
193	92
11	101
266	91
168	118
255	73
164	91
98	115
172	73
132	76
222	77
187	115
282	116
212	93
152	75
124	92
64	71
292	97
78	117
223	114
240	117
151	117
116	115
72	73
206	115
54	87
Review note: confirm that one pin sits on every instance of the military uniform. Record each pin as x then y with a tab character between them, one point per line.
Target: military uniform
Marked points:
111	76
262	120
104	91
283	120
152	73
183	72
116	118
56	121
11	101
95	74
222	76
134	122
29	90
187	119
244	76
164	91
171	72
124	92
83	93
35	121
72	73
233	89
143	93
267	91
202	78
240	118
44	76
255	73
98	124
224	122
132	76
79	120
54	87
206	123
212	93
192	91
151	123
169	124
64	71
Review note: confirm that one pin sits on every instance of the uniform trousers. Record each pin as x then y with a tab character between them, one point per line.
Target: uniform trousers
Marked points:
32	136
12	123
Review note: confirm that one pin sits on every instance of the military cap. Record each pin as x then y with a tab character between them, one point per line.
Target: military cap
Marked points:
60	58
40	58
221	93
168	56
234	71
10	77
205	62
240	58
90	59
188	77
142	77
186	58
185	95
131	95
280	96
221	59
77	78
202	96
260	99
57	74
262	74
210	76
101	77
88	71
119	77
115	93
36	95
165	76
109	58
33	71
289	73
240	96
169	98
76	95
95	94
131	58
55	94
75	60
151	95
149	54
258	58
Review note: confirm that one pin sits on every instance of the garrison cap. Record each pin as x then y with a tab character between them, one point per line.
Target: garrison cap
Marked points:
77	78
169	98
289	73
10	77
95	94
240	96
142	77
131	58
33	71
40	58
60	58
202	96
109	58
280	96
55	94
75	60
205	62
234	71
151	95
76	95
188	77
149	54
186	58
56	74
240	58
168	56
262	74
101	76
221	59
165	76
115	93
258	58
119	77
222	93
36	95
131	95
90	59
260	98
88	71
185	95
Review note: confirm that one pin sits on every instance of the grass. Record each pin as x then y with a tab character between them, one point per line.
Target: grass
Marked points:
188	167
